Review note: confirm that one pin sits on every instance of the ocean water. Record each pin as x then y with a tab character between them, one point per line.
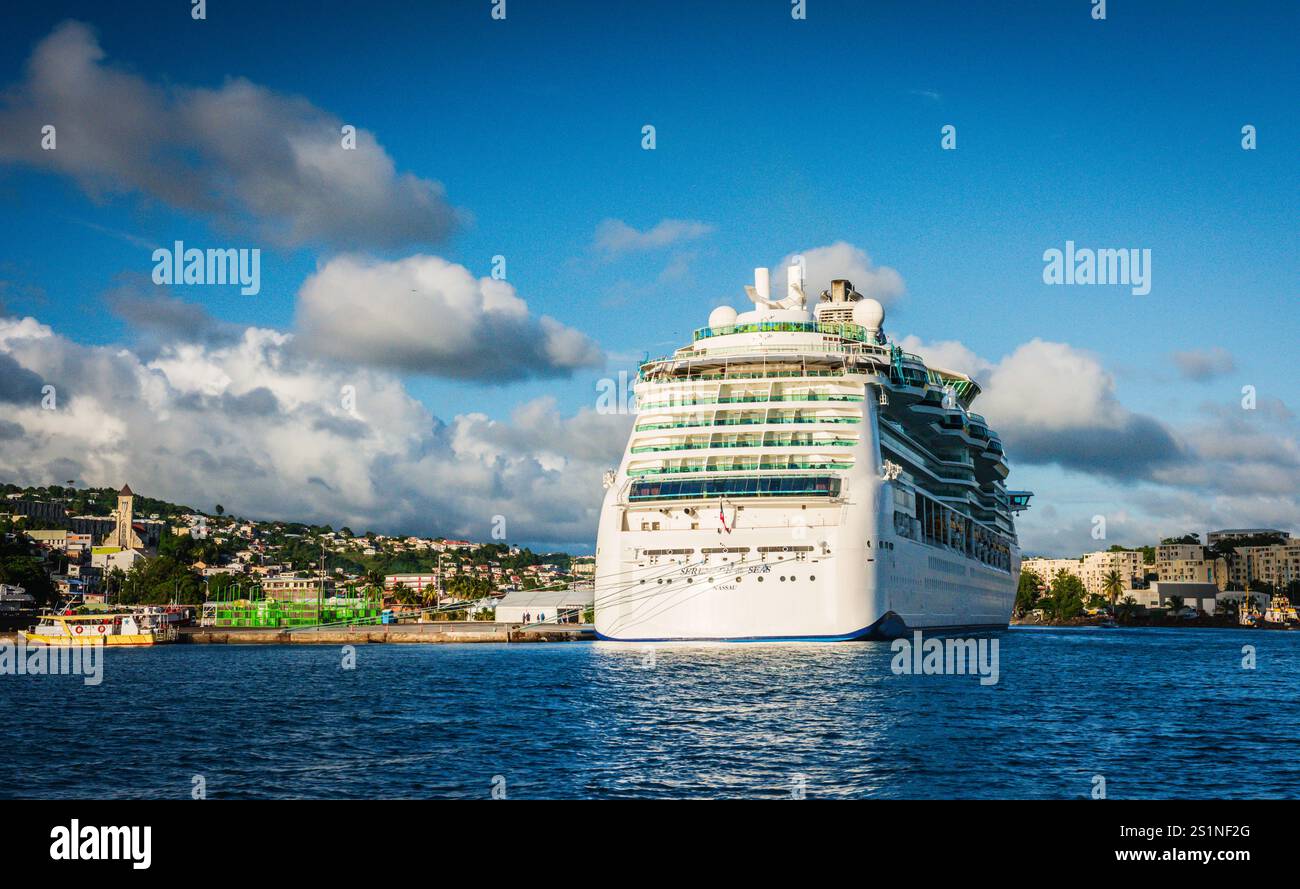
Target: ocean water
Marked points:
1156	712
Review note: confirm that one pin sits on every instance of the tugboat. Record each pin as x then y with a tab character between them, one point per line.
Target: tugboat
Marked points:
1281	613
1248	616
97	629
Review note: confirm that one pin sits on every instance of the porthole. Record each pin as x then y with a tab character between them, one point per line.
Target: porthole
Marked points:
783	578
760	579
812	576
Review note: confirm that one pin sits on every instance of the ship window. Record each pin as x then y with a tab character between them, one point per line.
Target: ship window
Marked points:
750	486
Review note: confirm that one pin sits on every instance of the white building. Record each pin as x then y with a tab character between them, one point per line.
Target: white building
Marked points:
544	606
1046	569
1203	596
1126	563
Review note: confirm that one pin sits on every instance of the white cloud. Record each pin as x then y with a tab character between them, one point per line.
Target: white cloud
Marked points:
841	260
254	426
615	237
948	355
1055	405
423	314
249	158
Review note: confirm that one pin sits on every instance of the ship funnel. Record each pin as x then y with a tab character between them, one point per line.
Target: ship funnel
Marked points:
841	290
794	284
763	283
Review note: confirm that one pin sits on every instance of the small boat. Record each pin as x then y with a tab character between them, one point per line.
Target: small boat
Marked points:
1281	612
96	629
1108	624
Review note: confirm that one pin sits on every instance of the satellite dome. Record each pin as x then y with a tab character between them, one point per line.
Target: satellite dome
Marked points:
722	316
869	313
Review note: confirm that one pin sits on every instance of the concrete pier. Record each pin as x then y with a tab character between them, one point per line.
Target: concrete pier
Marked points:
426	633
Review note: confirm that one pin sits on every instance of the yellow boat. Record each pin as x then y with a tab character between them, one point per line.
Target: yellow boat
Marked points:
96	629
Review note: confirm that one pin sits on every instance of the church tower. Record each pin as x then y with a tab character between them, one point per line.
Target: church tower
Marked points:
125	507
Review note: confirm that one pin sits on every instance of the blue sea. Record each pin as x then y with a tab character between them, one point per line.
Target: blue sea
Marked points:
1155	712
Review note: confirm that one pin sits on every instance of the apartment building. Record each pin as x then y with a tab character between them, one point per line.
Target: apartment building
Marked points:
1046	569
1189	563
1213	537
1095	567
1278	565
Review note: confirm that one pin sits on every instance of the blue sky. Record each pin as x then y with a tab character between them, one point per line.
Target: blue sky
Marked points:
780	136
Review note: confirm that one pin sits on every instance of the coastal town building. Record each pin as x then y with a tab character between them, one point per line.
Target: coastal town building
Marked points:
1096	566
109	557
1277	565
69	542
1259	600
1046	569
1190	563
544	606
1202	596
1230	534
295	588
416	583
43	510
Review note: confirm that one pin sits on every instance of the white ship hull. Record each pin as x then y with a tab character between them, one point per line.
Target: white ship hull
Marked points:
854	592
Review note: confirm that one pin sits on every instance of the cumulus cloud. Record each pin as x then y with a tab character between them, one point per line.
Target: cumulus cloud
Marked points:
948	355
425	315
615	237
256	426
249	158
1204	364
1053	403
842	260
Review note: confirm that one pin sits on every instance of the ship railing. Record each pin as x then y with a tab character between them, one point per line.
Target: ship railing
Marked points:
757	399
757	421
741	467
770	443
854	332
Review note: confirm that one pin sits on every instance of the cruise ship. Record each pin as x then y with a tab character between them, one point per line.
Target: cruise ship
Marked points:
793	474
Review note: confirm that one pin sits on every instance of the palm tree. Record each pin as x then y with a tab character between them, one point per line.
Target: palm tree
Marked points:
1112	585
